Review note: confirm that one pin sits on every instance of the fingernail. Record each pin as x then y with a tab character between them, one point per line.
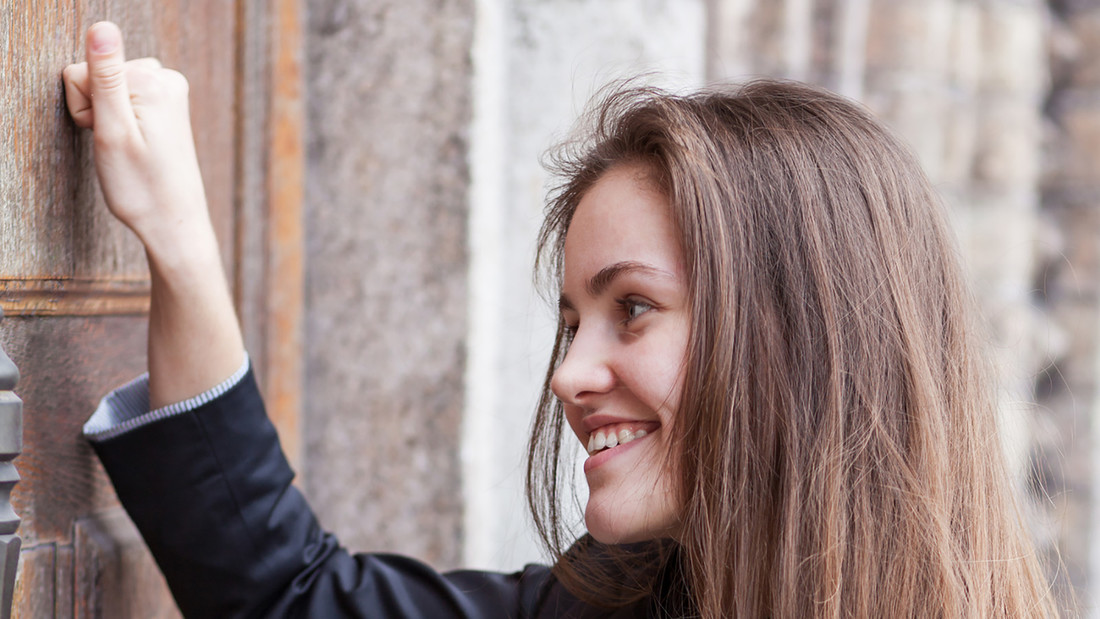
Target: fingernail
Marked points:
104	38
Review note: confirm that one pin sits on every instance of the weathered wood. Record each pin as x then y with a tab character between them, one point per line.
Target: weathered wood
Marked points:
286	180
75	282
48	195
63	598
252	126
115	576
34	590
74	297
68	364
268	280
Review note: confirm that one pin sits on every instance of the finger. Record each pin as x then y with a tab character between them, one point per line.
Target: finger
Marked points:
142	79
145	64
107	78
77	94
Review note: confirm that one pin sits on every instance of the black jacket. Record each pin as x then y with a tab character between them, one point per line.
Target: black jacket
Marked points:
211	493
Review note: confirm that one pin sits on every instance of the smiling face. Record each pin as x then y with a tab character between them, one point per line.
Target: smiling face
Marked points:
625	302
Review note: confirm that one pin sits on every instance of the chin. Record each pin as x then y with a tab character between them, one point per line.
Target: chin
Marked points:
615	529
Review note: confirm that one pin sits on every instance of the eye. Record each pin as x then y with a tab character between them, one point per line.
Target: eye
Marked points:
633	308
568	332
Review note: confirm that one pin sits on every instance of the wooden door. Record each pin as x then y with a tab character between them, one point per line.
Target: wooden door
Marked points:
73	283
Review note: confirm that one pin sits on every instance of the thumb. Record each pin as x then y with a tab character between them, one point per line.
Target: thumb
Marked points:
107	77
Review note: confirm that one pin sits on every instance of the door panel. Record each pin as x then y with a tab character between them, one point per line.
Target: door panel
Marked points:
73	258
73	282
111	559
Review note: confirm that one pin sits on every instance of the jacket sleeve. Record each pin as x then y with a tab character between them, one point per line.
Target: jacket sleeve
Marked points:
211	493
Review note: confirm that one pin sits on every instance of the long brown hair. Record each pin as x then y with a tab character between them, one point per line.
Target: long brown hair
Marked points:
839	454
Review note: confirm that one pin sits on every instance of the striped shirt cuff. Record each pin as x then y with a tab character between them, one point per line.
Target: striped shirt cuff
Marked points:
127	408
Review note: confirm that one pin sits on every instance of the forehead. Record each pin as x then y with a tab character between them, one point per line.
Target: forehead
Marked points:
622	217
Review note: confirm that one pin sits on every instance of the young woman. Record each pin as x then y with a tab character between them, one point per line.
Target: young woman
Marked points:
765	346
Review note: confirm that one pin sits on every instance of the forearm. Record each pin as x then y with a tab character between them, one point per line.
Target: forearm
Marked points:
194	337
149	174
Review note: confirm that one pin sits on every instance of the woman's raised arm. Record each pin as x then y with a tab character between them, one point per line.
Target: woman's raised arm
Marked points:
149	174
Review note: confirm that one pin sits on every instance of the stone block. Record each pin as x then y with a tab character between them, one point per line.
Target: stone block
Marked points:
747	38
386	209
910	36
1073	151
997	236
1014	48
960	141
1082	51
919	116
1078	366
965	66
1074	273
1009	143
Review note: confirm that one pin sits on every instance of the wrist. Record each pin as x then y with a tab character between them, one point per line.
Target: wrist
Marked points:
182	247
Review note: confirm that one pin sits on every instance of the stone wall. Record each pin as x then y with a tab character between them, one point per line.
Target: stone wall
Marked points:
388	91
1067	288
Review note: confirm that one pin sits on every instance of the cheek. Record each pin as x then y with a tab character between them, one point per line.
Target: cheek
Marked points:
573	416
659	375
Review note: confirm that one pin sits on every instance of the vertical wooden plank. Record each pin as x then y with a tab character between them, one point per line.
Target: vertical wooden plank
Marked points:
268	279
63	596
66	255
285	275
34	590
67	365
204	35
47	198
252	154
48	195
115	575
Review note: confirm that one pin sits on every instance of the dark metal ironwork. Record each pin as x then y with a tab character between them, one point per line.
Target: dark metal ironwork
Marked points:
11	444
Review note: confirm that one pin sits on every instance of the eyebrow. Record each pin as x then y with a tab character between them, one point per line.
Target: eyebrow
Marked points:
607	275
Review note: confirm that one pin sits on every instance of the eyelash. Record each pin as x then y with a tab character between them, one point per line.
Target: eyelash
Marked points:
626	305
568	333
630	303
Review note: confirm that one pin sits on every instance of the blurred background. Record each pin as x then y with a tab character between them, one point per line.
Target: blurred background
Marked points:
373	172
1000	101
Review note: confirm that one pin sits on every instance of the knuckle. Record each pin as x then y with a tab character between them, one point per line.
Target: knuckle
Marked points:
109	79
177	82
150	61
140	80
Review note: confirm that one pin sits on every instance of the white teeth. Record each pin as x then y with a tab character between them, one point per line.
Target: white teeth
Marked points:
604	439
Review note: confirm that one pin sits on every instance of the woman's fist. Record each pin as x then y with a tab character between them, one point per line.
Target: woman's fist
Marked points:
144	150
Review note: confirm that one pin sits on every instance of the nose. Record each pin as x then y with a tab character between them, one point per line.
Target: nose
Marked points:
586	371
